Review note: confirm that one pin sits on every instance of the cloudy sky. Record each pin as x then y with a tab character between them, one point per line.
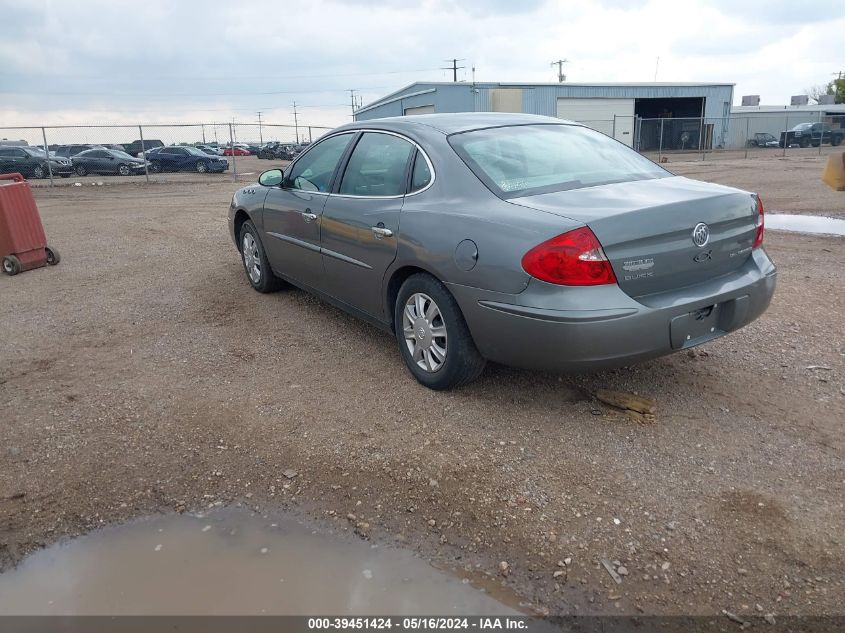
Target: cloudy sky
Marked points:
93	61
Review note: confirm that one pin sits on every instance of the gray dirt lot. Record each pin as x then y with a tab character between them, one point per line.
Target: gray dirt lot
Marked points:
143	375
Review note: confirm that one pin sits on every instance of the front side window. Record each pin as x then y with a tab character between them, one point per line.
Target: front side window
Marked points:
313	172
524	160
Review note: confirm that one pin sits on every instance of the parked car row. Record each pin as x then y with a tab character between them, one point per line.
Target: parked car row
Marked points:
281	151
83	159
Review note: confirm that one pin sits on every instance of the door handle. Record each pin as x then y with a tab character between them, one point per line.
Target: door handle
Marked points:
380	232
309	217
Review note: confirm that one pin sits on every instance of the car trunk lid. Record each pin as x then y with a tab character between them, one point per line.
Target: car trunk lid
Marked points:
646	229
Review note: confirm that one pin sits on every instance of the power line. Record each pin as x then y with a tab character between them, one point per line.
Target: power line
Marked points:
454	68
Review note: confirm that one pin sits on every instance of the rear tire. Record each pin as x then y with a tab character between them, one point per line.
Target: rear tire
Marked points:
202	166
431	331
254	259
11	265
836	141
39	172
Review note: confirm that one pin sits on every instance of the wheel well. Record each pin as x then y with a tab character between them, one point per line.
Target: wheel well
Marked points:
396	280
240	217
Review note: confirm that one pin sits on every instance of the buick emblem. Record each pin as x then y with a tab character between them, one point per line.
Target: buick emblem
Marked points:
421	333
701	235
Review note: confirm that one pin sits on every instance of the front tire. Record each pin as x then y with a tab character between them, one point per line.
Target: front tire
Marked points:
254	259
433	336
80	170
123	170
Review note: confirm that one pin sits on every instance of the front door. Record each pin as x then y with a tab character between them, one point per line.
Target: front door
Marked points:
360	221
292	212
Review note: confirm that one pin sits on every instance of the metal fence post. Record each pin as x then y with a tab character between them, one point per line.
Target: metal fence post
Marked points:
234	162
821	133
660	143
614	126
747	140
47	154
785	130
144	154
309	135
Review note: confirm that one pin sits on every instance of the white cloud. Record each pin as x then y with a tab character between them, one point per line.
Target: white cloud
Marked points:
102	62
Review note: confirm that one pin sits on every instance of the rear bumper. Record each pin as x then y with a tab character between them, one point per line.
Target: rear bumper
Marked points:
576	329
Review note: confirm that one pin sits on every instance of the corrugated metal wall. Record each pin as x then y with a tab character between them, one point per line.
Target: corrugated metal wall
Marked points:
542	99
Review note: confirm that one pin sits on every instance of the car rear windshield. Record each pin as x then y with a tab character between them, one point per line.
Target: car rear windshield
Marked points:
524	160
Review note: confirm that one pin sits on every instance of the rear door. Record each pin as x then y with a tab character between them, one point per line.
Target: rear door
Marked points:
293	212
361	220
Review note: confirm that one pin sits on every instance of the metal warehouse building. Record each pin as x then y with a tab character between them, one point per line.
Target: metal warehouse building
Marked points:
617	109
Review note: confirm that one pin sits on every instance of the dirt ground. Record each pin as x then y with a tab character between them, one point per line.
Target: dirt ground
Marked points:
143	375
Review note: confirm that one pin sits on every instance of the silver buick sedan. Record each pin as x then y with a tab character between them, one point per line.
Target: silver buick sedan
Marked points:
519	239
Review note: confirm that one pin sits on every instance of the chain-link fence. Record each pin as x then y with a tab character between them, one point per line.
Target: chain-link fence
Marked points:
99	154
742	135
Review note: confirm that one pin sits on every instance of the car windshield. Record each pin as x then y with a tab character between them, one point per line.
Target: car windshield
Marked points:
802	127
531	159
195	151
118	154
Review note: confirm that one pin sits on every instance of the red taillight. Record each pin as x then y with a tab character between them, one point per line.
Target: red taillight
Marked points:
758	237
575	258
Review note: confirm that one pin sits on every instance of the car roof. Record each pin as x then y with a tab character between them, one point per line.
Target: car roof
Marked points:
452	123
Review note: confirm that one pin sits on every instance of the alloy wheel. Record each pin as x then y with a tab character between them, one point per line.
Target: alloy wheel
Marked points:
425	332
252	258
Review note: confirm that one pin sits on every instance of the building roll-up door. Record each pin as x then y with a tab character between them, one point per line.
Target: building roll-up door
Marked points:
614	117
426	109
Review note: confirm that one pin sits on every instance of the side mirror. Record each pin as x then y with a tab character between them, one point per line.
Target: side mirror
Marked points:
271	178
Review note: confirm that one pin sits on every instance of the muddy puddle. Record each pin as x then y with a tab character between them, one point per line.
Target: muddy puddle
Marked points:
234	562
814	224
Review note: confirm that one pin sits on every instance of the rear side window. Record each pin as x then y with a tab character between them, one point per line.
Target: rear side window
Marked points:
421	176
377	167
524	160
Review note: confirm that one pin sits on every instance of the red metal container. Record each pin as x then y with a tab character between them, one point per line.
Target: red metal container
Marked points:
23	244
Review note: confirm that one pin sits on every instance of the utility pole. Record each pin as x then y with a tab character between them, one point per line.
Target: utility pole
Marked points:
353	102
559	63
656	66
454	68
260	134
296	123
